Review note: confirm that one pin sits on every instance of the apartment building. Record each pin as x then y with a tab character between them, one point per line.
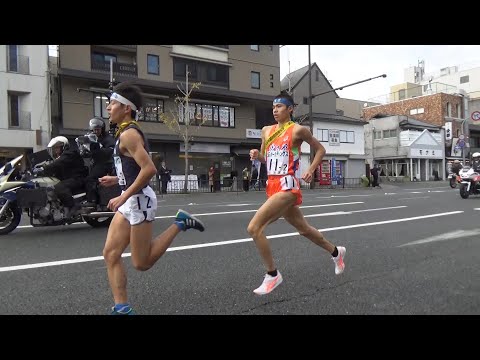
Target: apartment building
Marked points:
238	83
24	100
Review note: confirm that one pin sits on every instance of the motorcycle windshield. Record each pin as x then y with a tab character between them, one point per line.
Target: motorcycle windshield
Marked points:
7	169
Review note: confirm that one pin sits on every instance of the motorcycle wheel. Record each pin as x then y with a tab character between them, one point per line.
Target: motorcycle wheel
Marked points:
98	222
453	183
463	191
10	219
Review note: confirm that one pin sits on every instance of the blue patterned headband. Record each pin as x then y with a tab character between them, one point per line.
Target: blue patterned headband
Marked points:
282	101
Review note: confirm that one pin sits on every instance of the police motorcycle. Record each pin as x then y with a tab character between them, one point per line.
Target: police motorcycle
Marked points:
32	193
470	182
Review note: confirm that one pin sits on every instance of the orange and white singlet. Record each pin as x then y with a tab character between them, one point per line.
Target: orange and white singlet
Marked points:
282	161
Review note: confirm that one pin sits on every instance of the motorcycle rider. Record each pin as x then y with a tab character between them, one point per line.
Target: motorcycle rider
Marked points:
456	167
476	161
101	159
68	167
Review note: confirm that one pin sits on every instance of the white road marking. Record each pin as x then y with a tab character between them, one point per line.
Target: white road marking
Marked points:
236	205
354	211
219	243
442	237
341	196
418	197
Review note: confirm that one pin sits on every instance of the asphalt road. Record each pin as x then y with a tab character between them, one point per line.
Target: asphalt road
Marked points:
411	249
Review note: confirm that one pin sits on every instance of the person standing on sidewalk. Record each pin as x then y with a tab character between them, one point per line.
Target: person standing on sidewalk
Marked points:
374	173
280	151
135	207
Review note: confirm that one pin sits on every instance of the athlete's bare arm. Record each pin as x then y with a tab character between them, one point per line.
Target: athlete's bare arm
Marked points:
258	155
300	134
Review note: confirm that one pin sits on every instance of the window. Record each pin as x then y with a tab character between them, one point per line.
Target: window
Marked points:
151	108
377	135
103	58
12	58
464	79
271	84
255	47
449	109
204	72
322	135
347	136
214	115
401	94
458	110
153	64
305	100
317	75
271	76
14	110
100	103
389	134
255	80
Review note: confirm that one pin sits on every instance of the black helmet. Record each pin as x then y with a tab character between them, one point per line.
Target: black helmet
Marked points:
97	123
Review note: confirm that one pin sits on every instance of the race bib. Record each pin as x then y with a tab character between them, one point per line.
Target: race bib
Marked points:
277	160
289	182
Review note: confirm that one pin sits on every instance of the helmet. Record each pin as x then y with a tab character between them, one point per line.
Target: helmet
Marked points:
57	141
97	123
476	154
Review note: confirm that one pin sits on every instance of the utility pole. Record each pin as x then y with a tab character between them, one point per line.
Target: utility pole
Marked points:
310	113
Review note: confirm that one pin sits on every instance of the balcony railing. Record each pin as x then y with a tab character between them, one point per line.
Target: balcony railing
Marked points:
20	64
123	69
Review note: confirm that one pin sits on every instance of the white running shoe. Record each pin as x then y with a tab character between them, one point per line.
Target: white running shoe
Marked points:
269	283
339	264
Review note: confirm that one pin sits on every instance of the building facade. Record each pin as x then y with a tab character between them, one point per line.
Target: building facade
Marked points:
238	83
406	148
436	109
24	100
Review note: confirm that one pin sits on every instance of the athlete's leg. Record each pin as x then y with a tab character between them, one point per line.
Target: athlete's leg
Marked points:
295	217
269	212
117	241
145	251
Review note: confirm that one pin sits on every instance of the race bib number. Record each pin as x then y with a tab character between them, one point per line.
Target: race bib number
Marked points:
289	182
142	202
119	170
277	160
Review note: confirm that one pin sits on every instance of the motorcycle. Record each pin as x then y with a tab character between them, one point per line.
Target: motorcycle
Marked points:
470	183
453	180
33	194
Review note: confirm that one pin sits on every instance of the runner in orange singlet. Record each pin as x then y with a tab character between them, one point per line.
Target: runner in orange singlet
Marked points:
281	155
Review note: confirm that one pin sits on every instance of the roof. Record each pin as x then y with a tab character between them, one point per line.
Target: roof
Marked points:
334	118
414	123
297	76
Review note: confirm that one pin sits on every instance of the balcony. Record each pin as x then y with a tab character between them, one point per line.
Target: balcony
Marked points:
122	69
19	64
127	48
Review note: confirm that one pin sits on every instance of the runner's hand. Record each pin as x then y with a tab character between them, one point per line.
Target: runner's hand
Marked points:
254	154
307	176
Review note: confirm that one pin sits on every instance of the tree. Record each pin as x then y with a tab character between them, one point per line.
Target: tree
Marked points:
184	120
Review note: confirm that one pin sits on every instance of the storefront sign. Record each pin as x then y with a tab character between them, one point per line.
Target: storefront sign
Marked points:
254	133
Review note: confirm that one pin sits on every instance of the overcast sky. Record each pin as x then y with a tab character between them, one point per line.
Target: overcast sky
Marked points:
346	64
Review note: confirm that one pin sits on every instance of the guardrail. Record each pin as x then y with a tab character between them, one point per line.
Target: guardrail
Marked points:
236	185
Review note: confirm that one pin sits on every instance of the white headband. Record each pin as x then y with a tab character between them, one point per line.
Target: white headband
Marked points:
122	100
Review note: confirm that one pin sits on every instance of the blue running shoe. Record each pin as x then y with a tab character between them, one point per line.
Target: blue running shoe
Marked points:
190	222
129	311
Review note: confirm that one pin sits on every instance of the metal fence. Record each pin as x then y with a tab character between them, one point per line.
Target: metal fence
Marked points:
237	185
